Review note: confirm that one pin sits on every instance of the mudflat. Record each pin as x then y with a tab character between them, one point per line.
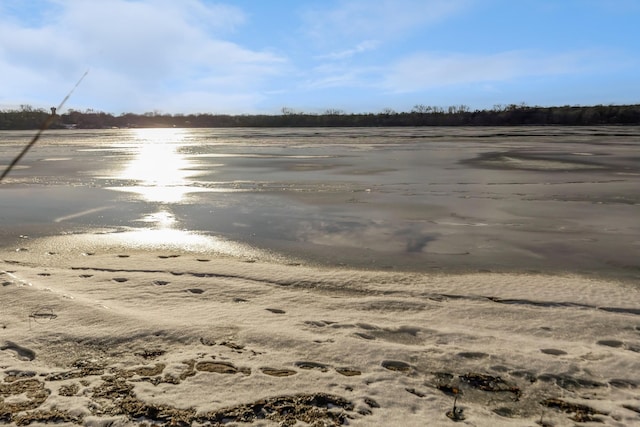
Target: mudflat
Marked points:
555	199
321	277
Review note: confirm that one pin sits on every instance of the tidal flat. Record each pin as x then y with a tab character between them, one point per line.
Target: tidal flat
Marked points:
547	199
269	277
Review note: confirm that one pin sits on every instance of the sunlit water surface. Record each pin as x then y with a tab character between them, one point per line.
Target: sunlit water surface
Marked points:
434	199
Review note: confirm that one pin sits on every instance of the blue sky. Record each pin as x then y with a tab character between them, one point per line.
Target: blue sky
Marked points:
259	56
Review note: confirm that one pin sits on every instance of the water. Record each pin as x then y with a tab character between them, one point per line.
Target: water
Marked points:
424	199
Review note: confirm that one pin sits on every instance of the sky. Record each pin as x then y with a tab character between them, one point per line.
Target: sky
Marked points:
357	56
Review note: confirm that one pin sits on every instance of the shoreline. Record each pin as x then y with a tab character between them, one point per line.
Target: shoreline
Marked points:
351	259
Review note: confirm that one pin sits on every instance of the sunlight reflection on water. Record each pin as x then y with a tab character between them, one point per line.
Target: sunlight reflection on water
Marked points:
150	239
423	199
162	174
159	168
173	239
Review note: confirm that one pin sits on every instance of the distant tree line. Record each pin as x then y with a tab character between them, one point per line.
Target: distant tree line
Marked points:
27	117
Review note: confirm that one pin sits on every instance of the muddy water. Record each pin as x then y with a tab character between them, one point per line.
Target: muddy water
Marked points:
423	199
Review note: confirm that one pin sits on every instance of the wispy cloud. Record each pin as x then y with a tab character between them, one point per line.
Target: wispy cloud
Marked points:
367	20
427	70
326	77
364	46
135	50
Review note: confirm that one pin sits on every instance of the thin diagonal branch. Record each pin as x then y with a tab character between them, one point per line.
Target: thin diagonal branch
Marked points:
43	127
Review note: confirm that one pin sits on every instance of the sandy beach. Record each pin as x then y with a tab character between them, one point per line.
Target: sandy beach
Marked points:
97	336
266	283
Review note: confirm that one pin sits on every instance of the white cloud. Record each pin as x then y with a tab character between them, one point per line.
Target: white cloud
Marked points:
137	51
426	70
189	55
340	75
382	19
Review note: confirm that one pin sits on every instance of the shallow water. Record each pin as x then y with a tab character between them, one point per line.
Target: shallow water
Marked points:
425	199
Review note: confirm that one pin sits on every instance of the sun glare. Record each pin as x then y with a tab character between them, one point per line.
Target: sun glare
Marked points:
159	169
160	135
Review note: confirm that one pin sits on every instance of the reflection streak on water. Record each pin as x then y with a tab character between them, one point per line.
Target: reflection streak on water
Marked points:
172	239
159	167
162	174
162	219
529	198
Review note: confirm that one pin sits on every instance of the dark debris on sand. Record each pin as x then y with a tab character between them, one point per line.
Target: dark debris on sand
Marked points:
582	413
114	396
118	398
52	416
490	383
468	385
313	409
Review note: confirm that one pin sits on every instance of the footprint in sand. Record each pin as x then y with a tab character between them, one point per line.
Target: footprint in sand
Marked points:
619	344
232	345
221	368
312	365
23	353
120	279
44	274
160	282
367	326
17	374
86	276
43	314
123	256
553	351
276	310
610	343
207	341
194	291
348	372
240	300
150	354
472	354
168	256
415	392
202	260
278	372
396	365
316	323
364	336
371	403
